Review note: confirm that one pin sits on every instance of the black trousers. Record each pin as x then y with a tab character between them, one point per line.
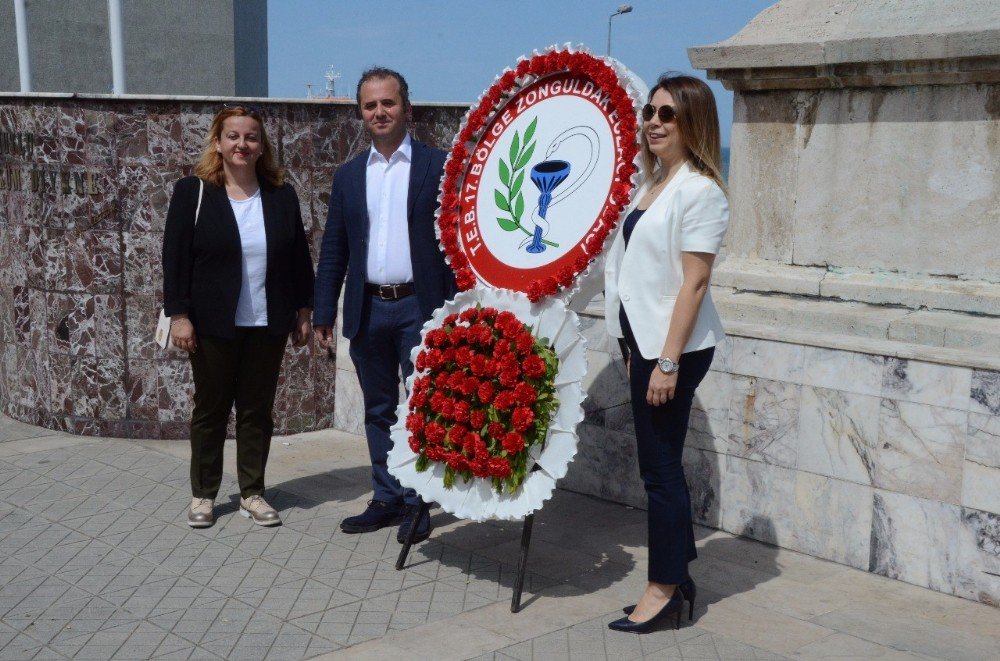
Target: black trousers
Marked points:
241	371
660	432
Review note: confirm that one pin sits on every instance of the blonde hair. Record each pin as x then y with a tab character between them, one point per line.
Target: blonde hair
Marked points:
697	121
210	167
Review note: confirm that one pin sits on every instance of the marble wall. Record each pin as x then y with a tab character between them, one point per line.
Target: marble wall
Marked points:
84	189
880	463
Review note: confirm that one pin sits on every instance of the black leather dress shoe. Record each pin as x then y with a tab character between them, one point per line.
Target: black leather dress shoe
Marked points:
423	525
379	514
672	608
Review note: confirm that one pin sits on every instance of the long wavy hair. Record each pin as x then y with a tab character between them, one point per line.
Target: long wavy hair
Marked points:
697	121
210	167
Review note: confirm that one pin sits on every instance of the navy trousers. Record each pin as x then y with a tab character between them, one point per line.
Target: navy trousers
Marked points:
660	432
381	351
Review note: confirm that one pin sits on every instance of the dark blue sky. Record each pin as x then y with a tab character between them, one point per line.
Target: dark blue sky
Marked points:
449	50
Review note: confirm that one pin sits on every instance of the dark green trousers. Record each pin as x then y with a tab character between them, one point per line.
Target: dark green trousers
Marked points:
241	371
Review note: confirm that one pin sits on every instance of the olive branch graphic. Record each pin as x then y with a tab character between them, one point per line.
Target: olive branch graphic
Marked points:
512	177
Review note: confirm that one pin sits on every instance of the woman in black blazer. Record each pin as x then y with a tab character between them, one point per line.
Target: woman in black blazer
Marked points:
237	279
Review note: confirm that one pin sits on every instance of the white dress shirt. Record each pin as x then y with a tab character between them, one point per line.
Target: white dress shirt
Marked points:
387	184
251	310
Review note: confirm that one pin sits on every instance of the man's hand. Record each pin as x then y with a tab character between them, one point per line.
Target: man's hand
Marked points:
300	334
323	335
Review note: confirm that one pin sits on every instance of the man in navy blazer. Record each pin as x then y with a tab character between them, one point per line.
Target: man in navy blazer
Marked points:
379	236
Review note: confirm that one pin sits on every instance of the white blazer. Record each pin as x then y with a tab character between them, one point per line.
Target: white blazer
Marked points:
690	214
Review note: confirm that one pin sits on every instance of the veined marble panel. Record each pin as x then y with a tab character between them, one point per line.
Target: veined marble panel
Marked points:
981	487
704	472
722	360
917	541
777	361
833	519
349	407
764	420
708	428
838	432
843	370
920	450
606	381
758	500
606	466
985	392
983	443
979	564
926	383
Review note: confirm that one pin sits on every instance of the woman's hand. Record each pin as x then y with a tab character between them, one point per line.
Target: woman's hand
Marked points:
303	327
182	334
661	387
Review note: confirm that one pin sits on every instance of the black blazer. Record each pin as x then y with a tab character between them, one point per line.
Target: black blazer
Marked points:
203	264
344	254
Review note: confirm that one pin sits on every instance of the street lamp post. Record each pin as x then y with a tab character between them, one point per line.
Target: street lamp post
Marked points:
622	9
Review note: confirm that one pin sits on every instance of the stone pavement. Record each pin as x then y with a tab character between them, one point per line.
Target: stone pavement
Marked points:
96	561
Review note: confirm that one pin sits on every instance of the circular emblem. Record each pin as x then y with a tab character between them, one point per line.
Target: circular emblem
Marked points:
539	174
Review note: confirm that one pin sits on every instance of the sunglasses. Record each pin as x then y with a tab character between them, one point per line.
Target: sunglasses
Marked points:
665	113
245	106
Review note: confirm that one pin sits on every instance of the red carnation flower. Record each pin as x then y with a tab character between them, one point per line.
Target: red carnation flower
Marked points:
465	279
500	467
535	291
534	367
565	276
418	399
522	418
581	263
525	343
525	394
468	315
421	363
448	355
461	153
523	67
496	430
434	432
488	314
485	392
469	385
415	444
456	435
457	462
457	335
465	135
435	452
415	423
480	467
512	443
504	400
454	167
508	378
450	319
459	260
449	200
441	382
507	79
462	410
478	365
477	419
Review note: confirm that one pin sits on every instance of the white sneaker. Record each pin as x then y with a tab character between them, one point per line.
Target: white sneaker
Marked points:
201	514
256	508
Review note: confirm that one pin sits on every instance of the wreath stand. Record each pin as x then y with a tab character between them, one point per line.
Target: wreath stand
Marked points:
522	562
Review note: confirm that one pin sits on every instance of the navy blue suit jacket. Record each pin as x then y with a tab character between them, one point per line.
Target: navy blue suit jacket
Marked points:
344	252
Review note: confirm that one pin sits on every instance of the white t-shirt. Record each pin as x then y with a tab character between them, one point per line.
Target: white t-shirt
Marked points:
252	307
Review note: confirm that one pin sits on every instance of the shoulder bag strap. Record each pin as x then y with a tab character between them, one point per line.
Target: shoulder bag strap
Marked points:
201	190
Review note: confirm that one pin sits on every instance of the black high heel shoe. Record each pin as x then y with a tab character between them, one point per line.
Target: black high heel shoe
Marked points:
688	589
674	608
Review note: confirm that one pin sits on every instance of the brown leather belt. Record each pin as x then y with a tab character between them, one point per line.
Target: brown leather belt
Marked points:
389	292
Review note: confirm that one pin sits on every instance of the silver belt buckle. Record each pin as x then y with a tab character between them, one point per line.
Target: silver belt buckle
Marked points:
391	289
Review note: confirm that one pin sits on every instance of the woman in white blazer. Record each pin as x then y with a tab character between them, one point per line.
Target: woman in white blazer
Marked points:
657	298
